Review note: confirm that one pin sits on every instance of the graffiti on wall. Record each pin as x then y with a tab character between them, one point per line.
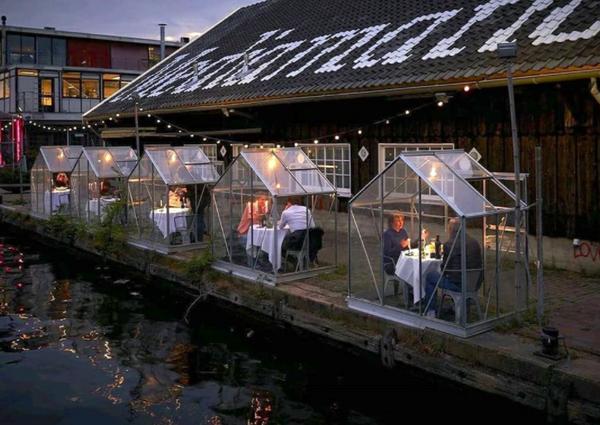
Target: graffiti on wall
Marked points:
587	250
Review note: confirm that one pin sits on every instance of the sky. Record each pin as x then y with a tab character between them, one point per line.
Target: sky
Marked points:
130	18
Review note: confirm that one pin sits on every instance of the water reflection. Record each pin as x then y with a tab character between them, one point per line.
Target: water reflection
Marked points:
82	343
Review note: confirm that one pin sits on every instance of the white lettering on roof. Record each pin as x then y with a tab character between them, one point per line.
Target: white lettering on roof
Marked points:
329	53
503	35
545	32
444	47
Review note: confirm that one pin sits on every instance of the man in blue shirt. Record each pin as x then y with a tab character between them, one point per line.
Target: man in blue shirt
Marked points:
395	240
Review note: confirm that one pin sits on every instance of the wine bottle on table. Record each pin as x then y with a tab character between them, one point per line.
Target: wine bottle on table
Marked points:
438	247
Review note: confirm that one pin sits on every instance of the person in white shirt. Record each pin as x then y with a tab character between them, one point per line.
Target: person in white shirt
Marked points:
296	216
299	219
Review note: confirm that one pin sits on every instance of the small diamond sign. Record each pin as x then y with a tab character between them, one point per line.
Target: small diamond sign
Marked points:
475	154
223	151
363	154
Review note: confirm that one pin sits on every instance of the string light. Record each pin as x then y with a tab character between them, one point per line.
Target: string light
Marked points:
358	130
467	88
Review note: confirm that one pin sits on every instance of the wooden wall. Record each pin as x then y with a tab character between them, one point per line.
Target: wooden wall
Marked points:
562	118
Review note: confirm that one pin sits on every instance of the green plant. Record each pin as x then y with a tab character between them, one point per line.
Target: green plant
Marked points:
198	266
109	235
63	227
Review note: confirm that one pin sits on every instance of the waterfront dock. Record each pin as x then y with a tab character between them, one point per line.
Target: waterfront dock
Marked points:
501	362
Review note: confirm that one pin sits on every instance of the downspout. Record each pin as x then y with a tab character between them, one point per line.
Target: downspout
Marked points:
594	90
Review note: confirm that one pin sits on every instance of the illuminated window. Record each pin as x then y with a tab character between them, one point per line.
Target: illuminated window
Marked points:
111	83
90	86
71	84
153	55
27	73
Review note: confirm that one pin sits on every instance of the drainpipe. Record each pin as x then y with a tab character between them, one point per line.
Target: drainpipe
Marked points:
162	40
594	90
3	46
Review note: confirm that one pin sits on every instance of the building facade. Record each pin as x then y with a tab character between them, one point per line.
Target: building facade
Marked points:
356	82
52	77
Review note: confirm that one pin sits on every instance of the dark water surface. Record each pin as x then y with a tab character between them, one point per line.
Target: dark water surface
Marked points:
84	343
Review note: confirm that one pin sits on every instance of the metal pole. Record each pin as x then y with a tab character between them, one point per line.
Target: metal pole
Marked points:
516	162
137	128
540	236
463	265
162	40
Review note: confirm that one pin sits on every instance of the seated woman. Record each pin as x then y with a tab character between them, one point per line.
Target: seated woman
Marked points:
178	197
253	214
61	180
395	240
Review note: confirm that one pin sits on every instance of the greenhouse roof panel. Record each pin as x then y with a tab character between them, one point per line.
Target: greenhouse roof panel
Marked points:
182	165
60	158
287	172
111	162
460	195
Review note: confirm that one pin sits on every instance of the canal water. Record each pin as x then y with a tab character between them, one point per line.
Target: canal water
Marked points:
86	343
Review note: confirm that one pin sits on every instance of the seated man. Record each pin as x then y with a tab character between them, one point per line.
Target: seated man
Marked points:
452	261
395	240
298	218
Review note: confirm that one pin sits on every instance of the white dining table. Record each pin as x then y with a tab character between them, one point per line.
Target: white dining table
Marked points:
262	237
104	202
160	218
407	269
56	198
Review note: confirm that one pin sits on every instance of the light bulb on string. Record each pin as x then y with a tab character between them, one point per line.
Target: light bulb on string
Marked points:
336	137
407	112
168	125
316	141
118	115
467	88
359	132
157	121
148	115
387	121
440	103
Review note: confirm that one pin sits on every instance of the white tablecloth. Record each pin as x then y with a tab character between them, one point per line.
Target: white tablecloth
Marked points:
56	198
104	202
407	269
160	218
262	237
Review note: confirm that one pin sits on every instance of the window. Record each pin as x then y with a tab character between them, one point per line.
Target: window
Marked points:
59	52
334	161
111	83
44	50
27	73
153	55
27	49
20	49
126	79
71	84
47	94
395	180
210	151
90	86
2	88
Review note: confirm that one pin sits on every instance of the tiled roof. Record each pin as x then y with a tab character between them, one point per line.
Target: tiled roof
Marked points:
281	49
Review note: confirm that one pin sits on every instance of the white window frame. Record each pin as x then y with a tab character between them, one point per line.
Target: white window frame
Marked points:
327	165
210	150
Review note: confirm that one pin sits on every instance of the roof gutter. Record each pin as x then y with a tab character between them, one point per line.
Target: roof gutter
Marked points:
498	81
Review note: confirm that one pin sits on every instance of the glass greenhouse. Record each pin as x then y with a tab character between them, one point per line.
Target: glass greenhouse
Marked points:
274	217
432	244
99	180
168	193
51	179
